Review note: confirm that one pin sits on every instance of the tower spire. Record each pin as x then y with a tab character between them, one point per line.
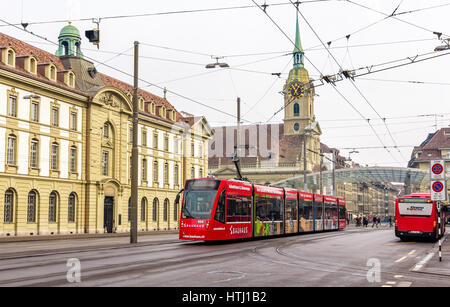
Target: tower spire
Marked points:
298	50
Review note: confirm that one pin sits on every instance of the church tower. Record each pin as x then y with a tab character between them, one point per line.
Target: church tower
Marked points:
299	94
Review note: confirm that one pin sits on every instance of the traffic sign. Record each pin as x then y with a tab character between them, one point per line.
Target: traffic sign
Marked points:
438	170
438	191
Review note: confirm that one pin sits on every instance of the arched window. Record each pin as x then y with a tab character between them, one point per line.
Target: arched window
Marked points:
175	212
9	206
53	73
78	47
66	48
71	209
52	207
32	65
155	209
143	209
31	211
166	209
11	58
296	109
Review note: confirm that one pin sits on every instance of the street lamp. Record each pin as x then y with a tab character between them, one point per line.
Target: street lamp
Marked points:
444	47
214	65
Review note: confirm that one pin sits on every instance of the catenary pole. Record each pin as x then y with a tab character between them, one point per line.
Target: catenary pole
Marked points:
135	152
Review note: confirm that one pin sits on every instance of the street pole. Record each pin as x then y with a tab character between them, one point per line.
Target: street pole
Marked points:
135	152
334	174
238	126
321	179
305	185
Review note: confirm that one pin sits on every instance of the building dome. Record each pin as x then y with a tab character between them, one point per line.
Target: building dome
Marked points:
70	30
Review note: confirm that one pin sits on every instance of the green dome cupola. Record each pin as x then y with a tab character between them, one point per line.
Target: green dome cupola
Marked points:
69	42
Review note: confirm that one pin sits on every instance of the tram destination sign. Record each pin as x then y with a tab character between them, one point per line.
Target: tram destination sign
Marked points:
437	170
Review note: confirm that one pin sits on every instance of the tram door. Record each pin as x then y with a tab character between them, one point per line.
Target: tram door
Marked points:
109	214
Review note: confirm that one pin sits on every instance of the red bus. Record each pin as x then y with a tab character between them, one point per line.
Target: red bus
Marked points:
214	210
416	216
342	213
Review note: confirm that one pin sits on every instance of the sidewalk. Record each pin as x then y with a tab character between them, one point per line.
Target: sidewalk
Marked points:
433	266
81	236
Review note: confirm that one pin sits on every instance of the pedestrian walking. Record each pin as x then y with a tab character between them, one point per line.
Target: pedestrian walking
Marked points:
375	220
390	221
379	221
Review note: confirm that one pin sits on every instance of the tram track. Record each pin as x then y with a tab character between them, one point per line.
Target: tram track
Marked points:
307	263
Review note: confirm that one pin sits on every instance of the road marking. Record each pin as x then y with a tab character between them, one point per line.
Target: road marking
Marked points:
386	286
391	282
398	276
405	284
423	262
401	259
412	252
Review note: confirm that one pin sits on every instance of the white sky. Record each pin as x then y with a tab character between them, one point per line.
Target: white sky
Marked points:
249	31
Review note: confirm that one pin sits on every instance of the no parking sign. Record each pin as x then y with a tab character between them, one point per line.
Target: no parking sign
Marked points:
438	170
438	190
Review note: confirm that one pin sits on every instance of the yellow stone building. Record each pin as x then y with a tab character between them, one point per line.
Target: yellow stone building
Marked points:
65	146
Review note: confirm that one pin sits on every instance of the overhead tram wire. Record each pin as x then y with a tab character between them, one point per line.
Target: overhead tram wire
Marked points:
207	10
394	17
356	110
351	81
131	75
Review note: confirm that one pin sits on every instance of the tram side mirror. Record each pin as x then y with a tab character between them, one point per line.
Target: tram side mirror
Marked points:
177	199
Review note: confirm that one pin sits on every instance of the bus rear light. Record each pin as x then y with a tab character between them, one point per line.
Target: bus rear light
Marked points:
434	223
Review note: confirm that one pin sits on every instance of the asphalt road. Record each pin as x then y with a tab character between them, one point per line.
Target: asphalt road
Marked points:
355	257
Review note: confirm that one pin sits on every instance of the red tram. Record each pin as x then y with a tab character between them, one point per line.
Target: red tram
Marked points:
214	210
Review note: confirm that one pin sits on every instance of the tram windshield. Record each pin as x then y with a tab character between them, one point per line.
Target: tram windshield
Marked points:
199	199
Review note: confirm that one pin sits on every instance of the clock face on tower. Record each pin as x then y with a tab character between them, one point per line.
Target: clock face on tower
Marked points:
296	90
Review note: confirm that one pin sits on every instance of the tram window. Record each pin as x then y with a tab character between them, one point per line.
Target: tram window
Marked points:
238	208
220	210
291	209
307	210
342	213
269	208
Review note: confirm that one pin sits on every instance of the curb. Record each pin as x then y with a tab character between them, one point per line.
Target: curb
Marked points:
81	236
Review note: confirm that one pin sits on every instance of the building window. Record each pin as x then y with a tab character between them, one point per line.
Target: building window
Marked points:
200	150
8	206
71	209
106	131
143	209
200	173
155	141
35	111
296	127
176	174
166	143
193	172
54	157
144	169
53	73
32	65
192	149
155	171
166	209
11	58
105	162
34	149
296	109
166	173
73	159
73	121
155	209
31	210
52	208
130	137
11	151
175	212
55	117
144	138
71	80
176	144
12	106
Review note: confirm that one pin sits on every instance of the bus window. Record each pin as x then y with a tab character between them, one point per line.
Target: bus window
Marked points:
220	210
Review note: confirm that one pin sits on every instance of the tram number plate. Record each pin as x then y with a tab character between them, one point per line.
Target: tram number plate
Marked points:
415	232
